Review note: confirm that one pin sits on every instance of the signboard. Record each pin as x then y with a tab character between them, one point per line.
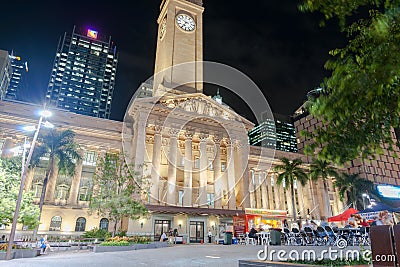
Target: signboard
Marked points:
389	191
92	33
267	213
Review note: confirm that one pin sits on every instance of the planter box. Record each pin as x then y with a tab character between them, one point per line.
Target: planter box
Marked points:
131	247
26	253
3	255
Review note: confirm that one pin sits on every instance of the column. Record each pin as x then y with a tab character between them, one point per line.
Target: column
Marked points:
217	173
155	170
76	181
252	186
264	194
302	201
246	192
230	162
100	157
140	143
203	170
7	146
239	173
51	182
278	203
270	195
28	180
172	166
188	169
289	205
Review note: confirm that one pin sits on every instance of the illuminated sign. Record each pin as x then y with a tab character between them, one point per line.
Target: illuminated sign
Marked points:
266	213
92	34
389	191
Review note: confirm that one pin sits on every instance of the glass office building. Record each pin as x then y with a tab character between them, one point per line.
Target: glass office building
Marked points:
278	134
18	81
83	76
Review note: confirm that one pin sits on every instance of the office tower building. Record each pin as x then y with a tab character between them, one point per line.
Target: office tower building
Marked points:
5	73
18	82
83	76
278	133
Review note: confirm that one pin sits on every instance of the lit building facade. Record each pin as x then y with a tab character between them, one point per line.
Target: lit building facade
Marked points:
83	75
278	133
5	72
18	80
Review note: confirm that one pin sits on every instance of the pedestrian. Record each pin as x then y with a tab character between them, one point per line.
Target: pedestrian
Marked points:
285	224
209	236
163	237
44	245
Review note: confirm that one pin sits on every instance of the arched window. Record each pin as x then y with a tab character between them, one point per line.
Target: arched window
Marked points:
80	224
104	224
55	224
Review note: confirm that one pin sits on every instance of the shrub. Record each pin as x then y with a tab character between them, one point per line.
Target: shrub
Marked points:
115	243
4	246
97	233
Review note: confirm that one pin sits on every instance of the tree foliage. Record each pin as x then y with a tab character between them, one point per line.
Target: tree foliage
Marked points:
351	187
117	192
360	101
291	172
10	178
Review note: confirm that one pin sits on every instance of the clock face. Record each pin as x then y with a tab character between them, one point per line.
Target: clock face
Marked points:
163	27
185	22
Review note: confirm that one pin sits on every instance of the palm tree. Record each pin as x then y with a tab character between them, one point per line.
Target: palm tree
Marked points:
352	186
62	153
289	172
321	169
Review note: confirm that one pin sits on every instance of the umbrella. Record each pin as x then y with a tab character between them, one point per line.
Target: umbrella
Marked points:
343	216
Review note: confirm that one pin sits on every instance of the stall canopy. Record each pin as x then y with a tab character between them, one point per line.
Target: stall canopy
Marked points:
343	216
378	206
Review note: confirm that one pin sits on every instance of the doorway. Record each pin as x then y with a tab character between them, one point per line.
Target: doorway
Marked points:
161	226
196	233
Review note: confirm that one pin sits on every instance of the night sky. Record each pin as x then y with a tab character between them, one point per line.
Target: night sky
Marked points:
281	49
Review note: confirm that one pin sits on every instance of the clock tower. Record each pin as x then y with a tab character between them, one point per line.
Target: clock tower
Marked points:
180	40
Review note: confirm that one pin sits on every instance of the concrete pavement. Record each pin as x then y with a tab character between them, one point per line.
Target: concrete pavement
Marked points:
176	256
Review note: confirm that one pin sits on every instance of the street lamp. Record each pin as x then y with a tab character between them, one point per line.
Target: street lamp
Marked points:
25	166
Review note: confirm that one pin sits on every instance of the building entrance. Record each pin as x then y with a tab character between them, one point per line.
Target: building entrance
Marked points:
196	233
161	226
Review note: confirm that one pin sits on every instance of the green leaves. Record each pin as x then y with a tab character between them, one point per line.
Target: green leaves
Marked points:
10	177
361	97
351	187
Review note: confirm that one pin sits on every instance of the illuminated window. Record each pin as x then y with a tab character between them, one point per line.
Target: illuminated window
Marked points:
37	189
62	191
210	199
180	197
55	224
80	224
210	165
84	193
223	166
196	162
90	158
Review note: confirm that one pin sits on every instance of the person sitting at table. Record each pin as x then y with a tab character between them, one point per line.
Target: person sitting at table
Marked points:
253	233
314	225
384	217
352	221
364	223
323	222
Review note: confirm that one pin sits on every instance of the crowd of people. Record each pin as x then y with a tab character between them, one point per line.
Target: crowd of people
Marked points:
356	220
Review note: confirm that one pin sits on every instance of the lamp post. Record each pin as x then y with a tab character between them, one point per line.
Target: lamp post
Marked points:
25	166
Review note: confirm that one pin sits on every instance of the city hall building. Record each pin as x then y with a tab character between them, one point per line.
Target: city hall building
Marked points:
191	149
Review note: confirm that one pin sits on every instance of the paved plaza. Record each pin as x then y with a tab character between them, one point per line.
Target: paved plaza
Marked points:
180	255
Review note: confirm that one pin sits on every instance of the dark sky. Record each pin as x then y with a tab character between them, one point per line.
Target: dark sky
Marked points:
281	49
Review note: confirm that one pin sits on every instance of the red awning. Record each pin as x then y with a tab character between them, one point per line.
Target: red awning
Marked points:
343	216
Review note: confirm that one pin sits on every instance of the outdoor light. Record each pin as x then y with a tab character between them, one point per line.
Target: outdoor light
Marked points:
29	128
364	195
45	113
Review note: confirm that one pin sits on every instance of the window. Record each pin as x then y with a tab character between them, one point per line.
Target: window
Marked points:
180	197
103	224
80	224
62	191
90	158
223	166
210	199
210	165
37	189
196	162
55	224
84	194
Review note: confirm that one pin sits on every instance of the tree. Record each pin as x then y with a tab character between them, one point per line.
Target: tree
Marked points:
117	190
289	172
359	103
62	153
351	187
10	179
321	169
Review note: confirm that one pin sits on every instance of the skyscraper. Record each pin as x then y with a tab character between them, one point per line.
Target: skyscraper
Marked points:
5	72
279	134
18	80
83	76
